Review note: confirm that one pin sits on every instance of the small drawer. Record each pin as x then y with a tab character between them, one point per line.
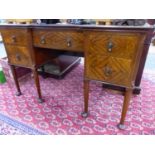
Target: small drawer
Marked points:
19	55
120	45
15	36
58	39
109	69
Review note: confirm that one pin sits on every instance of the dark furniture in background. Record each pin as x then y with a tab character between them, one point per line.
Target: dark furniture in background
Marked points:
129	22
50	21
60	66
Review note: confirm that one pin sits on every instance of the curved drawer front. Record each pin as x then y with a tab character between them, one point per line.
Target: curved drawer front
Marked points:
58	39
109	69
15	36
19	55
121	45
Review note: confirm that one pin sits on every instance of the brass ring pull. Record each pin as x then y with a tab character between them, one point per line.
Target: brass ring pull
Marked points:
43	41
18	57
69	42
13	38
107	71
110	46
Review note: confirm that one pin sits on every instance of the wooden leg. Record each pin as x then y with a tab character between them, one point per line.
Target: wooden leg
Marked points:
127	98
13	69
36	78
86	98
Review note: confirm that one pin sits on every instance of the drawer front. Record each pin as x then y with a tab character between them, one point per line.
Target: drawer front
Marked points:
58	39
109	69
19	55
15	36
120	45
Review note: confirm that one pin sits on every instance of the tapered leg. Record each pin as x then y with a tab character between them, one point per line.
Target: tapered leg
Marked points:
86	98
127	98
13	69
36	78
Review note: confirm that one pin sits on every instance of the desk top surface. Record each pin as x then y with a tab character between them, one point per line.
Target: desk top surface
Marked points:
60	25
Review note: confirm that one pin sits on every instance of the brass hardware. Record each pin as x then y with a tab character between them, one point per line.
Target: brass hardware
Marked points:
43	41
69	43
13	38
107	71
110	46
18	57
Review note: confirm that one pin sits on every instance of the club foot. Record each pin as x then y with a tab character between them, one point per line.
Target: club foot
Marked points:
18	93
40	100
121	126
84	114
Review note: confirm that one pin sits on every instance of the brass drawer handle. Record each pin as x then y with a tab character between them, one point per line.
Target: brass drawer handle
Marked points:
13	38
43	41
107	71
69	42
18	57
110	46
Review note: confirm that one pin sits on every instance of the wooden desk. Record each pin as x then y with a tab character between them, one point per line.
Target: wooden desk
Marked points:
113	55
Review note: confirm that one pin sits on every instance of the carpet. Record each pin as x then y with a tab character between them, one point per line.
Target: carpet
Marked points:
10	126
60	113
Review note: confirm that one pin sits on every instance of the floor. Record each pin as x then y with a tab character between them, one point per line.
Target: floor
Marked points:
61	111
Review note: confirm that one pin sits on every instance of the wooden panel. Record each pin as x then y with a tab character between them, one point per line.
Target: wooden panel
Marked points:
15	36
62	39
109	69
19	55
121	45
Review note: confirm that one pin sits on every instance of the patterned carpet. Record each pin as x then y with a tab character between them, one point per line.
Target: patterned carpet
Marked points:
9	126
60	114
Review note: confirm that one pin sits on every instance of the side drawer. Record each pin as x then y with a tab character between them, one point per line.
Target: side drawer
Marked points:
19	55
58	39
15	36
109	69
116	44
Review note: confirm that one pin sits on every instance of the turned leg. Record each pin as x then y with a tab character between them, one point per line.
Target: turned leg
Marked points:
36	78
86	98
13	69
127	98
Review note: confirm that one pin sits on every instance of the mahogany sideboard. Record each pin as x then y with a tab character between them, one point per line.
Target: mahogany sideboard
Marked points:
114	55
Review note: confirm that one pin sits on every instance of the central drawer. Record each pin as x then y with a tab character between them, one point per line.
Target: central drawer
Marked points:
58	39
